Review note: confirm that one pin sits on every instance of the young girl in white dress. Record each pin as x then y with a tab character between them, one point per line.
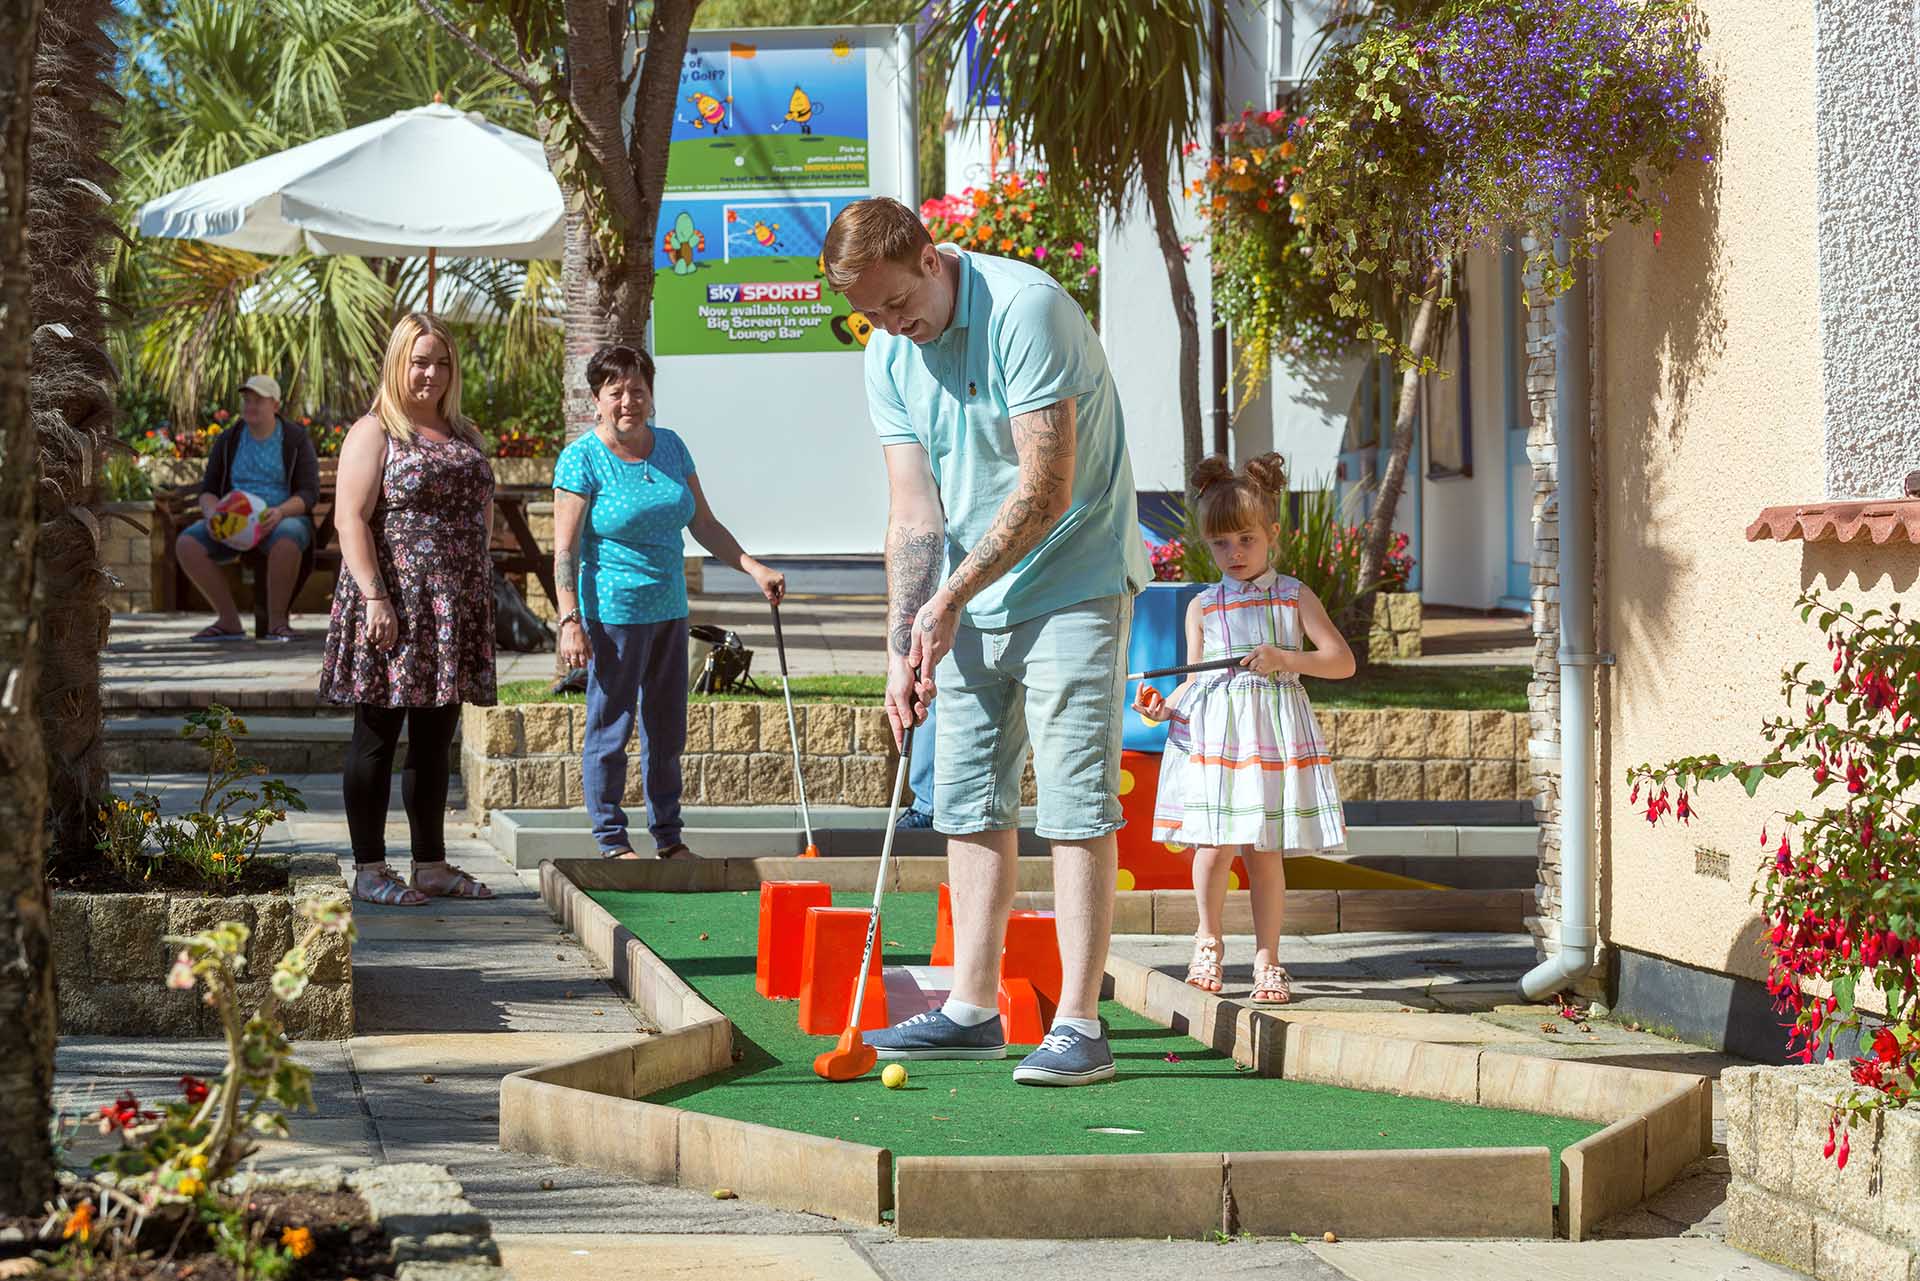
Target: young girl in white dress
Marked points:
1246	772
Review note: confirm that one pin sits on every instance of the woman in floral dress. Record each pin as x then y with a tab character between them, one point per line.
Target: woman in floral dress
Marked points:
411	636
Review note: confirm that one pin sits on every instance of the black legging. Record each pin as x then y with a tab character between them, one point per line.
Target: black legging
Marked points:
367	780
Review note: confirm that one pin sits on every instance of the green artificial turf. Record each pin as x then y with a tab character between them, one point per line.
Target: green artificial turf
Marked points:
1200	1103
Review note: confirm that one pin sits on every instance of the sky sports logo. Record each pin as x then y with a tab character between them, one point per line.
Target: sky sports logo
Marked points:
808	291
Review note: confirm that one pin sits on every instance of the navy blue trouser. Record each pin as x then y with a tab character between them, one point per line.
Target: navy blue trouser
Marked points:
636	668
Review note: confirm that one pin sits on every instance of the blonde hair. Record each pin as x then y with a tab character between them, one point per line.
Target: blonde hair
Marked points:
1231	501
870	231
389	405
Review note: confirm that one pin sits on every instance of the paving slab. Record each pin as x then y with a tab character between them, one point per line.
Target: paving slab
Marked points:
1671	1260
667	1256
905	1259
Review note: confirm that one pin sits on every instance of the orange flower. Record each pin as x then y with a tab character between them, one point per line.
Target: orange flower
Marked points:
1006	245
980	199
299	1241
79	1223
1286	151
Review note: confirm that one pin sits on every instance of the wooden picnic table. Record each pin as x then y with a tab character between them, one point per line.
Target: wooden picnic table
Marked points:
524	554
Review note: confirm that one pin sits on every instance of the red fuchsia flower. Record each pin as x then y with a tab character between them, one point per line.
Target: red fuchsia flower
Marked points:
1886	1046
1868	1072
1879	692
1866	829
123	1113
1683	811
1846	1140
1171	1057
194	1089
1828	1149
1856	778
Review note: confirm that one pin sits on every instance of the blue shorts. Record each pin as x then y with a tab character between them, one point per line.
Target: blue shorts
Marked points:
1056	682
298	529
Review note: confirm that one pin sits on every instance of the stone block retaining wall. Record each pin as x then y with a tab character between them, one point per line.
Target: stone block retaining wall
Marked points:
136	559
528	757
1394	631
1790	1204
110	960
434	1232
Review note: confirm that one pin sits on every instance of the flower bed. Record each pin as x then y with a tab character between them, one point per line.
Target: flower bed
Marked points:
110	955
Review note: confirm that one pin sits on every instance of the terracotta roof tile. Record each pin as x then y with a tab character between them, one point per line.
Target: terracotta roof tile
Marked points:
1883	520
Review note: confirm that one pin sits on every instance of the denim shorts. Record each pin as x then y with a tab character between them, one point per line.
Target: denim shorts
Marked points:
1055	682
297	528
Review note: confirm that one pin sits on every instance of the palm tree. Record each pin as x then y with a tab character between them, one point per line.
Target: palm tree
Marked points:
72	392
1104	94
575	64
26	970
205	93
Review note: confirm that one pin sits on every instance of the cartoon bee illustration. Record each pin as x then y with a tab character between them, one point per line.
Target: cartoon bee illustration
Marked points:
709	110
854	330
800	109
768	234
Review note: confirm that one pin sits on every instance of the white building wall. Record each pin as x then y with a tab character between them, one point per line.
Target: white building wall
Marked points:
1463	519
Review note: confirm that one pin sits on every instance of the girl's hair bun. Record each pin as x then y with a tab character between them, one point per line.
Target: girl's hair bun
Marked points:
1269	472
1212	471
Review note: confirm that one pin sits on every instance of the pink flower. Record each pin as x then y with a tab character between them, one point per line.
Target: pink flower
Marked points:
1078	251
180	977
1040	253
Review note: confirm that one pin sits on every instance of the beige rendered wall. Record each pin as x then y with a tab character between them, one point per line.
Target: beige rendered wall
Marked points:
1710	400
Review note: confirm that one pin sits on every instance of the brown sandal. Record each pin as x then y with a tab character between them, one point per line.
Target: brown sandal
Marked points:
678	852
1272	985
1203	971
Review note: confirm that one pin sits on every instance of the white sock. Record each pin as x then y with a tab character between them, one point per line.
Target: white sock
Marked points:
1085	1027
968	1015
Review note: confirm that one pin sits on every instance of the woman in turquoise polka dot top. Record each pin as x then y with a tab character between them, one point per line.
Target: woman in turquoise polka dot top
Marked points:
622	495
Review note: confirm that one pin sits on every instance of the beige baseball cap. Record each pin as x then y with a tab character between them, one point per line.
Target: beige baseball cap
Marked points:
263	385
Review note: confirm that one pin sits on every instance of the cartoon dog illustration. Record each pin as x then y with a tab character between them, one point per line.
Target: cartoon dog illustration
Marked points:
853	330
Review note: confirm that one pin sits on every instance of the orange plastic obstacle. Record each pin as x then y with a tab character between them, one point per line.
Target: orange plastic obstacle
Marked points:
943	929
1147	864
1033	954
829	965
783	927
1024	1013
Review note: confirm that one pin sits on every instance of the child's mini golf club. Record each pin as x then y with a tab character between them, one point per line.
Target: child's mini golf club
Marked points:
852	1057
793	736
1211	665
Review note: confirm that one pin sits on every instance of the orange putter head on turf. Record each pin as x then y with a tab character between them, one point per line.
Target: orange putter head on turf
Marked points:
851	1059
812	851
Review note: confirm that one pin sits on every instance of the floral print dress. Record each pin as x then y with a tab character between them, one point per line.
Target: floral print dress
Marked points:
430	538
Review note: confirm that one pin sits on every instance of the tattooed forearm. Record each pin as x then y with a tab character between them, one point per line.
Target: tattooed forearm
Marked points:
913	571
374	586
566	570
1045	442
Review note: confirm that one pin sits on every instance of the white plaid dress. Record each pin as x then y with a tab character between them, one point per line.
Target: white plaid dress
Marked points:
1245	764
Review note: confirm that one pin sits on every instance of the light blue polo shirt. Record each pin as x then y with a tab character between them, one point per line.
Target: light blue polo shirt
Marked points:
1017	342
632	555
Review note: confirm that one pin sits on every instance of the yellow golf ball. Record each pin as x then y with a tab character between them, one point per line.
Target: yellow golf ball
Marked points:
893	1076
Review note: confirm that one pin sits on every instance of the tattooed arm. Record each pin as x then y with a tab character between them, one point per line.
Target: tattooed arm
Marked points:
1044	442
916	541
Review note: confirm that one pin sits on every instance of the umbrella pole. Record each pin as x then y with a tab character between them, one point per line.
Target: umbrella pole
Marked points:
432	256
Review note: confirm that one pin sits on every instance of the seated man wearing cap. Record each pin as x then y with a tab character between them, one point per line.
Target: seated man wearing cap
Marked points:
274	460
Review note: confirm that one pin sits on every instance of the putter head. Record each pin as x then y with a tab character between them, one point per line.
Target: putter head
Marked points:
849	1060
812	851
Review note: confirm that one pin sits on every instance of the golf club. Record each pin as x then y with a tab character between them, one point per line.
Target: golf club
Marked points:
793	736
1211	665
852	1057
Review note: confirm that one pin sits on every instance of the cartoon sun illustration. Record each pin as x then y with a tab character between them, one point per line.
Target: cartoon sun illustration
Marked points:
842	49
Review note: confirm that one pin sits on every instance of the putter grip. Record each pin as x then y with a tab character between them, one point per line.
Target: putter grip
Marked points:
779	640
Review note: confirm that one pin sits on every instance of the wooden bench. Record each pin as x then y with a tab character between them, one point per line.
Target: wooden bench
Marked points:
513	548
179	506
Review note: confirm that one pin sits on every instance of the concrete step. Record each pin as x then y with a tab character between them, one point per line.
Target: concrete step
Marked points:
140	745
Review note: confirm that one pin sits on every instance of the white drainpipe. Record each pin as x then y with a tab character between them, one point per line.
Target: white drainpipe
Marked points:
1573	444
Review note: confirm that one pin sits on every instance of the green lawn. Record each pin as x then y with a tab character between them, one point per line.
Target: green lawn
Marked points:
1477	689
1180	1095
1469	688
863	690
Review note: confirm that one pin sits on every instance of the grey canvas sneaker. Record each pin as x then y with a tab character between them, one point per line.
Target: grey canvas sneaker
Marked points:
932	1035
1067	1057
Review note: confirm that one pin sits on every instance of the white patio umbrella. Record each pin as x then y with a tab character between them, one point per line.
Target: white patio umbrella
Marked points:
431	179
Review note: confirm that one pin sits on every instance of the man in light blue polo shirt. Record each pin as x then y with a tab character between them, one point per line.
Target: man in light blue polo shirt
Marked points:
1013	555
